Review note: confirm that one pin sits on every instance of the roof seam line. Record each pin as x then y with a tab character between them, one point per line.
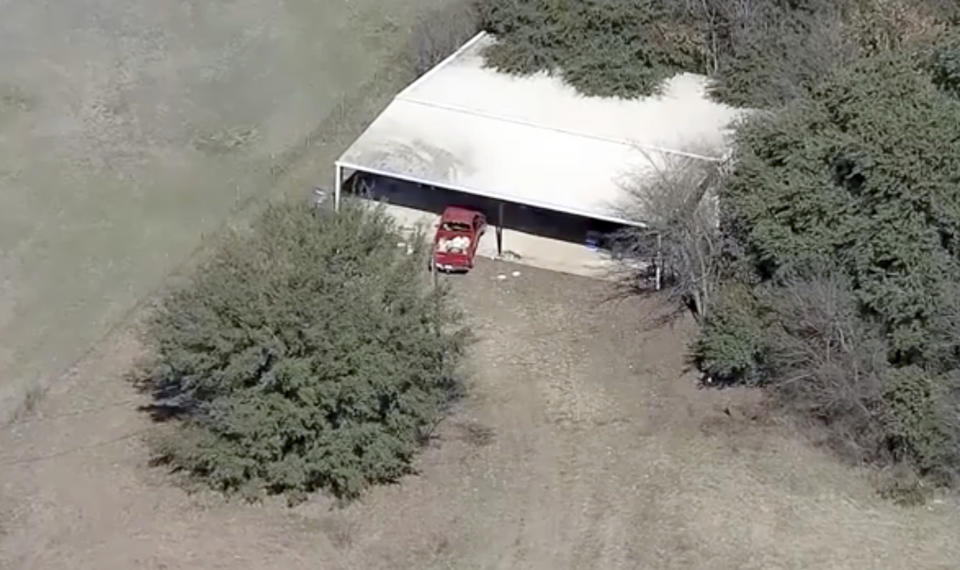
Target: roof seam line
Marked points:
466	111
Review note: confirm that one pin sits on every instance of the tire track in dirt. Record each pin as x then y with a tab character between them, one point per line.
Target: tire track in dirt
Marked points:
568	506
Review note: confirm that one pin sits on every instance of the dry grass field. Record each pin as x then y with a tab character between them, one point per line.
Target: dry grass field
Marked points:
128	130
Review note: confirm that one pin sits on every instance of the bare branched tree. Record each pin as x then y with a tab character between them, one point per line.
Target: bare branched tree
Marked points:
677	201
817	357
825	361
442	32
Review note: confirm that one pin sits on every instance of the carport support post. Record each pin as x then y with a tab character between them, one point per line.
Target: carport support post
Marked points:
500	230
337	183
659	258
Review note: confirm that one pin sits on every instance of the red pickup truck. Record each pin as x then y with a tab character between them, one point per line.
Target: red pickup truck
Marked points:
458	235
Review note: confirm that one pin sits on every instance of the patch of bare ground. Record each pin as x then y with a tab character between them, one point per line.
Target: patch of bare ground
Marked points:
581	444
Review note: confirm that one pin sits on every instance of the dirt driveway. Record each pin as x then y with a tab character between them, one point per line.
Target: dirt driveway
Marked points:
582	445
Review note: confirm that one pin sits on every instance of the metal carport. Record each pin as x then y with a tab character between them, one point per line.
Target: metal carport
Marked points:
533	140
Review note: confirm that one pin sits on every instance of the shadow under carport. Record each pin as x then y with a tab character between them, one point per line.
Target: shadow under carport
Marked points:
520	217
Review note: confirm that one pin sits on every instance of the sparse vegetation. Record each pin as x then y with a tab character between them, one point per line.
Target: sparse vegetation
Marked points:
13	98
678	204
309	353
224	141
442	32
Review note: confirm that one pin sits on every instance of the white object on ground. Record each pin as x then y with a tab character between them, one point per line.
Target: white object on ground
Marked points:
501	277
516	274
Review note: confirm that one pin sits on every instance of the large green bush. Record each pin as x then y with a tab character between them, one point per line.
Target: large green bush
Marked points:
769	52
601	47
864	171
308	353
760	53
730	346
861	177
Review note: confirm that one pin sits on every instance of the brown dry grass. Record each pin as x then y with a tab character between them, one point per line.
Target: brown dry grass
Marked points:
132	130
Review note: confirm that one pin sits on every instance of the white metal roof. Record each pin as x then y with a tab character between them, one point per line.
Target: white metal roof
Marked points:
534	140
